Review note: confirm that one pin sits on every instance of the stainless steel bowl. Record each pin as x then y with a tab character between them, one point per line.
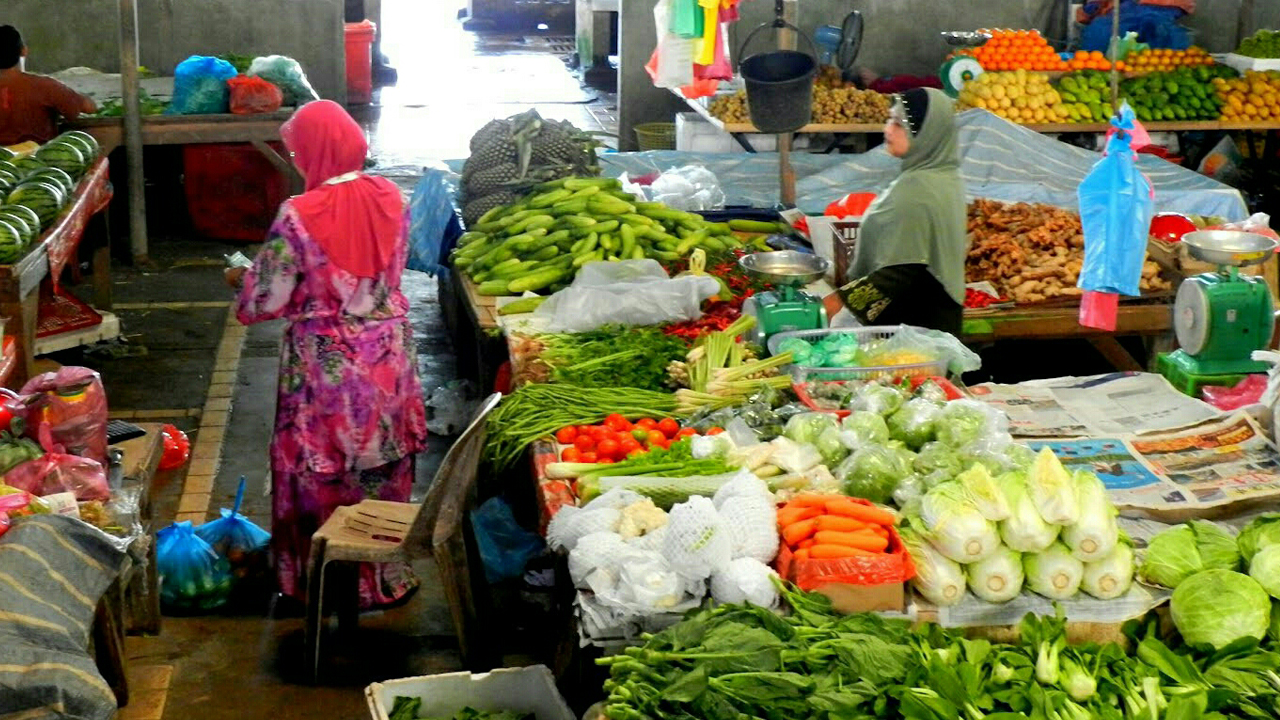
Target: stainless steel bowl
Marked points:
785	267
960	38
1228	247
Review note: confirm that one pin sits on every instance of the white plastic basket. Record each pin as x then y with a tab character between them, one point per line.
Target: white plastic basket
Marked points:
805	373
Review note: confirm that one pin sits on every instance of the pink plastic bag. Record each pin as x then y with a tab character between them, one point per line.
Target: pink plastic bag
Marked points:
1247	392
73	406
57	472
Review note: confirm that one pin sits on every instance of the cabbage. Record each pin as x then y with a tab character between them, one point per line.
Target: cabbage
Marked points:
1019	457
1052	490
910	488
938	579
1024	530
808	427
1176	554
984	493
863	427
1218	549
1053	572
1111	576
934	457
1265	568
879	399
913	424
800	349
998	578
964	421
1094	535
1218	607
990	451
830	446
1262	531
955	526
872	473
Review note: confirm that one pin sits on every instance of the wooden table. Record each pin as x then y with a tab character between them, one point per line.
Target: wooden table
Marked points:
1151	320
19	283
472	320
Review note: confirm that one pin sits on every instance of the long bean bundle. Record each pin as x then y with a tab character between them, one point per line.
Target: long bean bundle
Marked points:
538	410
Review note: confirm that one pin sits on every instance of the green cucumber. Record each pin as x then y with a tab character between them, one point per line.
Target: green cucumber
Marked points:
535	281
753	226
521	306
493	287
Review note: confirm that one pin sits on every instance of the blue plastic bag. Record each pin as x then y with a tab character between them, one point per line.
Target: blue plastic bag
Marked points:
200	86
434	228
236	538
1155	25
1116	203
192	575
505	547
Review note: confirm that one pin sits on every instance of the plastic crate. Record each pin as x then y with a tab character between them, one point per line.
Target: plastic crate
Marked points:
805	373
523	690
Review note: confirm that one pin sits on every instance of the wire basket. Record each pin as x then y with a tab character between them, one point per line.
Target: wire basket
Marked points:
804	373
656	136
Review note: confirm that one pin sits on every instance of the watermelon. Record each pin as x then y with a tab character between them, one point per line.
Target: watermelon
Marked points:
92	149
43	198
27	214
11	244
10	168
64	156
58	177
6	153
28	228
27	165
7	182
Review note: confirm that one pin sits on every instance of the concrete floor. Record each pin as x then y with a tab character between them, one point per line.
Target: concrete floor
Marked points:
241	664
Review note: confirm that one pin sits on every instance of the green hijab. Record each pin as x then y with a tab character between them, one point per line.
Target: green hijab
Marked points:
920	219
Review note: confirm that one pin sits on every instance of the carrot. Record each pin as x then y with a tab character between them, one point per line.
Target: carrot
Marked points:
802	555
865	513
839	523
863	540
792	515
806	543
833	552
815	501
796	532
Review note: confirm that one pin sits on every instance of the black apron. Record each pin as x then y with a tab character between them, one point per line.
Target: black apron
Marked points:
903	295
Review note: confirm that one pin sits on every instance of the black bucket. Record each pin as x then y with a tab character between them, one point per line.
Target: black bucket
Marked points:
779	87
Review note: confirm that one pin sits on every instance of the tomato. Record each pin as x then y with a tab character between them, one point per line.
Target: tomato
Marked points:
589	457
606	461
584	443
618	423
566	435
608	449
669	427
571	454
628	444
686	432
636	453
656	437
715	431
647	423
665	444
640	434
584	429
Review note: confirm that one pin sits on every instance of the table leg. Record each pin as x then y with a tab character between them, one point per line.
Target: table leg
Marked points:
285	167
23	317
1115	353
742	140
102	263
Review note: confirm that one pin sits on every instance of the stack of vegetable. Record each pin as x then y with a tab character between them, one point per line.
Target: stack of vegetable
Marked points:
827	527
721	370
612	356
1044	527
666	475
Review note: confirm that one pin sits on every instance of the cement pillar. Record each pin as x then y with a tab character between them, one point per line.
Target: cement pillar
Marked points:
638	100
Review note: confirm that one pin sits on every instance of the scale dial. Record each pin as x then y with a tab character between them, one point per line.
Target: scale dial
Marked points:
1191	316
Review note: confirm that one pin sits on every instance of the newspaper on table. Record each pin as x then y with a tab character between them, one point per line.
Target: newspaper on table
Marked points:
1101	405
975	612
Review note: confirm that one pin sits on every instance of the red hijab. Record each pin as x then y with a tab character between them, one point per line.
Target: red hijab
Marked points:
356	218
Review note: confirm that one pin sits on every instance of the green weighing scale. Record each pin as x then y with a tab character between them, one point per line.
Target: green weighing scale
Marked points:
1220	317
787	307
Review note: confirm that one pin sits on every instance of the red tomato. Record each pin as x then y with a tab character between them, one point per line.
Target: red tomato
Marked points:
628	444
599	432
608	448
656	437
584	429
647	423
584	443
606	461
715	431
636	453
669	427
618	423
640	434
686	432
566	435
589	457
571	454
664	444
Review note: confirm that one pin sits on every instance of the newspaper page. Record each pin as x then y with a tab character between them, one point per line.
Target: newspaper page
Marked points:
975	612
1113	404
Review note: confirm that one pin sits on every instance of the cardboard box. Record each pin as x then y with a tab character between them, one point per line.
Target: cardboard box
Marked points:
887	597
524	690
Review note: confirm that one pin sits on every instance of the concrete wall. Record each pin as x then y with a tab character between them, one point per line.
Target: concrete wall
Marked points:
67	33
638	100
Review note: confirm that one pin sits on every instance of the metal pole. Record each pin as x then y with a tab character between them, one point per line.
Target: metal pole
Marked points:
1115	74
133	130
787	40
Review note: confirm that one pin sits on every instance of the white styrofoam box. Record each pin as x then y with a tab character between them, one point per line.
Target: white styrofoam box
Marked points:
1243	63
523	690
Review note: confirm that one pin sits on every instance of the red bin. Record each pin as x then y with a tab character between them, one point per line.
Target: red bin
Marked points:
359	42
233	192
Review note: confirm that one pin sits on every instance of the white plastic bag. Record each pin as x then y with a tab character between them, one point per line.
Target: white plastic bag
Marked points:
449	408
675	54
647	582
597	552
691	187
745	580
627	292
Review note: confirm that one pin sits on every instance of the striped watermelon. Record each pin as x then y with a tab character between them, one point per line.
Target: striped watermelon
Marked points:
64	156
27	165
43	198
83	142
7	182
28	227
11	244
58	177
6	153
9	167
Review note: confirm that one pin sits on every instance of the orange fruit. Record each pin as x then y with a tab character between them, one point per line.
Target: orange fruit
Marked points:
1096	55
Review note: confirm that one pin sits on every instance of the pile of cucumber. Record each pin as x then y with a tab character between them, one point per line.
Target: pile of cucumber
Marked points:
539	243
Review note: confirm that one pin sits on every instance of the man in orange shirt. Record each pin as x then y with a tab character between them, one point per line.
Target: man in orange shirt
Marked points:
31	104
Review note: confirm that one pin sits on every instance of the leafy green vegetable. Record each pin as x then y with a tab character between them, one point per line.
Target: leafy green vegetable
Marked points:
1111	576
1052	489
1024	530
872	472
867	428
938	578
808	427
955	526
1053	572
1176	554
964	421
1265	568
405	708
1219	607
984	493
1262	531
611	356
1095	532
936	457
997	578
914	423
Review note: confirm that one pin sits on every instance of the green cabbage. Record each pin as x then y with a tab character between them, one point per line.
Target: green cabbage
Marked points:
1265	568
1262	531
984	493
1218	607
864	427
934	457
964	421
1024	530
830	447
808	427
955	526
1019	457
1053	572
910	489
1052	489
938	578
998	578
872	472
1111	576
879	399
914	423
1176	554
1094	534
1218	549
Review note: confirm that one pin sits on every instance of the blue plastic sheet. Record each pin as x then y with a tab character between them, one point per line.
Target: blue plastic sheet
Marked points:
200	86
505	547
1115	213
192	575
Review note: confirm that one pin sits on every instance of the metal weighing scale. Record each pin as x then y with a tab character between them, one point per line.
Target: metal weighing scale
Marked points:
787	307
1220	317
961	69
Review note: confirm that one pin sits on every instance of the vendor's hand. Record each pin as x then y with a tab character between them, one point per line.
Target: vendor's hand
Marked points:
833	304
234	277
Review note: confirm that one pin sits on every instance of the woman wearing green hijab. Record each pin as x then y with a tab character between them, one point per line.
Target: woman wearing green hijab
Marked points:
908	263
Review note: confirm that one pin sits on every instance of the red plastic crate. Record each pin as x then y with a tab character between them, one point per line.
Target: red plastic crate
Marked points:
233	192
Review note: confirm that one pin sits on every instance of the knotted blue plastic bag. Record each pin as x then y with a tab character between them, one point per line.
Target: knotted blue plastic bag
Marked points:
238	539
200	86
1116	203
192	575
505	547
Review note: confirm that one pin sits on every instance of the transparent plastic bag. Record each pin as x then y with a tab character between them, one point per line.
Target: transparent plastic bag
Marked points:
691	187
192	575
628	292
915	423
286	74
697	542
930	343
451	408
505	547
253	95
200	86
745	580
72	404
646	583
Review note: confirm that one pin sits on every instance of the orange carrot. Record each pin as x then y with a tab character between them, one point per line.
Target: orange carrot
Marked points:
839	523
806	543
863	540
792	515
865	513
802	555
818	501
796	532
833	552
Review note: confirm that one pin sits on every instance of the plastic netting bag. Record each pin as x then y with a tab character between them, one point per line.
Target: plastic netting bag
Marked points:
253	95
286	74
238	539
505	547
745	580
697	542
72	405
751	521
192	575
1116	204
628	292
200	86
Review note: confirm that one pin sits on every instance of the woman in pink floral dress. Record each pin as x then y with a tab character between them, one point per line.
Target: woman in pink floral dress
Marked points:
349	409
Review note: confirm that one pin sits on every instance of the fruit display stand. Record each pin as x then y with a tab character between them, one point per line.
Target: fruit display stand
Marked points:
21	283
